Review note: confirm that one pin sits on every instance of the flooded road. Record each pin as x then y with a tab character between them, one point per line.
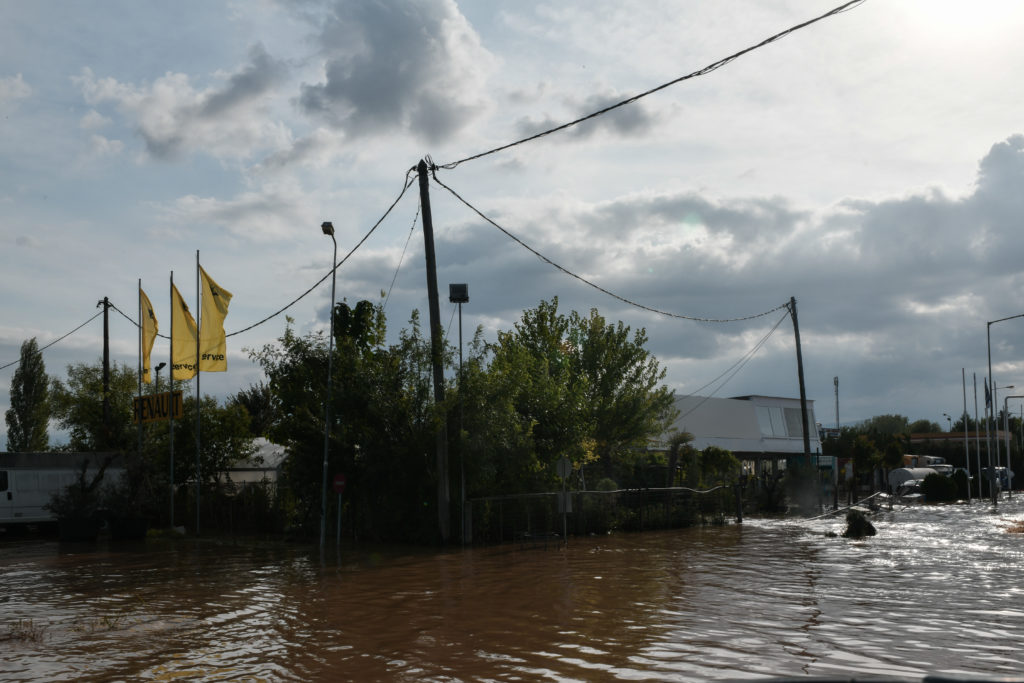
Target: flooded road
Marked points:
938	590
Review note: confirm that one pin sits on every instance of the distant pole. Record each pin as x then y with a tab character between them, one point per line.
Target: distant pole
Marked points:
1006	429
835	381
835	458
967	450
443	496
138	416
977	433
170	383
199	331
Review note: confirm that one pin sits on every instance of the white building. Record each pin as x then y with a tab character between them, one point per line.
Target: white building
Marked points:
754	428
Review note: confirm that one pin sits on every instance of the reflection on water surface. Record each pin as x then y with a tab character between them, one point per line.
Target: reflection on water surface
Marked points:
937	590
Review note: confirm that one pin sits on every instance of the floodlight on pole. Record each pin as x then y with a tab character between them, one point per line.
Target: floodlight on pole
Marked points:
328	229
459	294
158	368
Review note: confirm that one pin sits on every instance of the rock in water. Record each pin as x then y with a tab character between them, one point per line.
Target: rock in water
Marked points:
857	525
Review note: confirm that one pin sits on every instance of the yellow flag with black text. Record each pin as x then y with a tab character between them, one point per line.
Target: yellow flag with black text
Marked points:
213	347
149	330
183	338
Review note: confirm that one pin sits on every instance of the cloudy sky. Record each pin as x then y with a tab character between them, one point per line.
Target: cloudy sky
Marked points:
870	165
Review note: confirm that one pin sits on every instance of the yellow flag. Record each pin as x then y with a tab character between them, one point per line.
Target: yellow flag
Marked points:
213	347
149	330
183	338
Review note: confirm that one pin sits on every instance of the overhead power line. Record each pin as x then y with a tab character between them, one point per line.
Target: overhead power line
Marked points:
700	72
733	369
407	183
405	186
599	288
4	367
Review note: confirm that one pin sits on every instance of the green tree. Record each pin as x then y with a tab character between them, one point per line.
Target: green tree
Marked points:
78	407
923	427
625	404
678	446
383	422
563	385
531	373
29	414
224	439
258	402
888	425
718	466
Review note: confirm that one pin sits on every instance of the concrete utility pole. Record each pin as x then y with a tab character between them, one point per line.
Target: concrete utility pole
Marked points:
437	359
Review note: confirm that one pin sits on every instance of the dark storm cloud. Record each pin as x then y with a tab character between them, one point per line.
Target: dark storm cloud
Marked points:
255	78
397	66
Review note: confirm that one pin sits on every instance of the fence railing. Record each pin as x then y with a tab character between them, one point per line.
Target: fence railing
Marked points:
538	517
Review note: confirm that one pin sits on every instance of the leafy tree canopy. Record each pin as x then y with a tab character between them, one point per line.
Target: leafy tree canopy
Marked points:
77	405
29	415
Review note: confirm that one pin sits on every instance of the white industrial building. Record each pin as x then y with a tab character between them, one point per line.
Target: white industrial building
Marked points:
759	430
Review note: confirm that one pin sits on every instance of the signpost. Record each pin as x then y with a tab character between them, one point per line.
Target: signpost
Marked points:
157	407
339	488
564	470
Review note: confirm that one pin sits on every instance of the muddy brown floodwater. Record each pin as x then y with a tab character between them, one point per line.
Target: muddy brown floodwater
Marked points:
938	590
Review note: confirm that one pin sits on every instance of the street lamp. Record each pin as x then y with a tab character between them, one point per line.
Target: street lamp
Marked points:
459	294
1006	431
158	368
170	403
328	229
949	420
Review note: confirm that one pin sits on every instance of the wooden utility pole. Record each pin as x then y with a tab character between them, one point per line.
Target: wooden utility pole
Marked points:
436	355
800	376
106	373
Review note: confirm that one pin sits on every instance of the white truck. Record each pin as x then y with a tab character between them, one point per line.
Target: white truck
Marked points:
29	480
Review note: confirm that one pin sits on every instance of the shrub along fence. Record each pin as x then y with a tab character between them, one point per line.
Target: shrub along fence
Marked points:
537	517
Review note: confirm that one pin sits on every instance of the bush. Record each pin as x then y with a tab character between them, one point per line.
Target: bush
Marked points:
938	488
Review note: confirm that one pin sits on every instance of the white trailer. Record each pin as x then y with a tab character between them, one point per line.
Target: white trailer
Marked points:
29	480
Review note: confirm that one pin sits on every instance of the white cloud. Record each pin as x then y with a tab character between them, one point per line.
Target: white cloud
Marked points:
173	117
103	147
266	215
13	88
93	120
413	67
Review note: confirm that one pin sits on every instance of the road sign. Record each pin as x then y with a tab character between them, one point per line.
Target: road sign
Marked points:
564	467
339	483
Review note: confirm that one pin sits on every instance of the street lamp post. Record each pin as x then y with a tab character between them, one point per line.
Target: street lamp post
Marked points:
988	342
995	435
1006	429
158	368
459	294
949	420
328	229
